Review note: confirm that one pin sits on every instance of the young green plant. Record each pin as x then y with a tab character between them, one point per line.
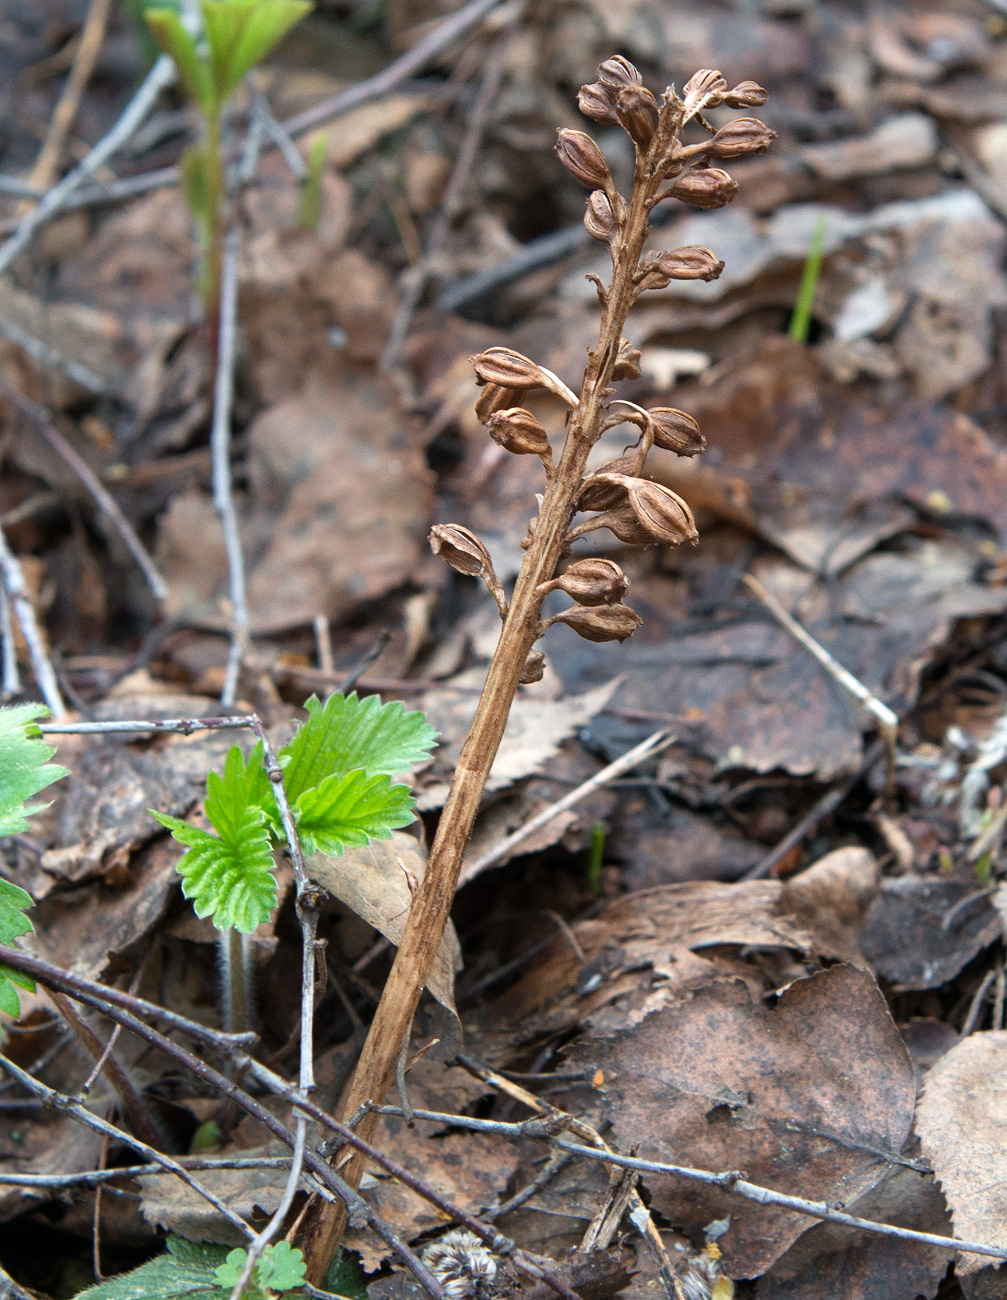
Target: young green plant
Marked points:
337	773
616	496
25	770
237	36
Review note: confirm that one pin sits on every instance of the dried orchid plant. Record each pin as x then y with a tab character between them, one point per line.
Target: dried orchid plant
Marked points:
616	496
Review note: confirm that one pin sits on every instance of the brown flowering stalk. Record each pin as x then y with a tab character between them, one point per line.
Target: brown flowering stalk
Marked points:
616	497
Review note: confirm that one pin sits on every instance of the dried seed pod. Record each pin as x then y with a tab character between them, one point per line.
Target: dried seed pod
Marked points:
705	187
622	520
601	622
534	668
579	154
742	137
508	369
704	89
460	548
661	512
494	398
518	431
746	94
594	582
692	262
676	431
617	71
599	219
607	487
627	363
638	113
596	101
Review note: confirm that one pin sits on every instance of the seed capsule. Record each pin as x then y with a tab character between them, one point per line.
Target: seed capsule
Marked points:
460	548
661	512
601	623
622	520
534	668
607	486
742	137
599	219
595	101
705	187
627	363
676	431
508	369
638	113
617	71
518	431
579	154
704	89
494	398
693	262
594	582
746	94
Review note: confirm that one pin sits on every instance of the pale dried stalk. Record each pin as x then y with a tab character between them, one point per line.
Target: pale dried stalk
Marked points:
659	158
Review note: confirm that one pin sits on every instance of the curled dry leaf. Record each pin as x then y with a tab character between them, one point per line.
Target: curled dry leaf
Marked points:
961	1120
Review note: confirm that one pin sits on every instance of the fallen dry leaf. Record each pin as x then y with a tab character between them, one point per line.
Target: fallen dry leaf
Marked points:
961	1119
374	882
801	1093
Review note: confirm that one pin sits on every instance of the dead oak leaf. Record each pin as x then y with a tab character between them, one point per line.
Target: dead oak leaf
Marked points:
802	1093
961	1120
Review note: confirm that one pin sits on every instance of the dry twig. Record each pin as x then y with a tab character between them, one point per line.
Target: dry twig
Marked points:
12	576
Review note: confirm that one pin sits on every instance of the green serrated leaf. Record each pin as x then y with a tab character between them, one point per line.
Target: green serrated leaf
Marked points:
186	1269
24	765
265	27
351	811
229	876
169	32
350	734
280	1268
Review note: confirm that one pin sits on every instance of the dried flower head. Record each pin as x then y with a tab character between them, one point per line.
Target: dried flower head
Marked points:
600	221
617	71
534	668
638	112
507	369
627	363
600	622
746	94
465	1268
594	582
676	431
704	89
492	398
663	513
596	101
692	262
518	431
705	187
741	138
460	548
579	154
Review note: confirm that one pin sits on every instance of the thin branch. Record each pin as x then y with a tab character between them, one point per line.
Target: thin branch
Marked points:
11	681
49	357
92	1177
100	494
638	754
57	1101
89	45
220	447
162	74
126	726
417	277
12	577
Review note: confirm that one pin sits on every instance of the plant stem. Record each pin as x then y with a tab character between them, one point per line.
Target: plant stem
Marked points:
431	906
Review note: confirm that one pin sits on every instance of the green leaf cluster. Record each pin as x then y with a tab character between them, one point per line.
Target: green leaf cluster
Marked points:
24	771
239	35
191	1268
279	1268
337	772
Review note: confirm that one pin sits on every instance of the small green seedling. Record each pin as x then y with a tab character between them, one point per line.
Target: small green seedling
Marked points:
800	321
595	857
238	35
24	771
337	772
309	207
280	1268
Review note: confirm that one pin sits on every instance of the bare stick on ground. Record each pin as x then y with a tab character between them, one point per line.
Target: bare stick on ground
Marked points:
104	500
12	576
8	649
637	510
